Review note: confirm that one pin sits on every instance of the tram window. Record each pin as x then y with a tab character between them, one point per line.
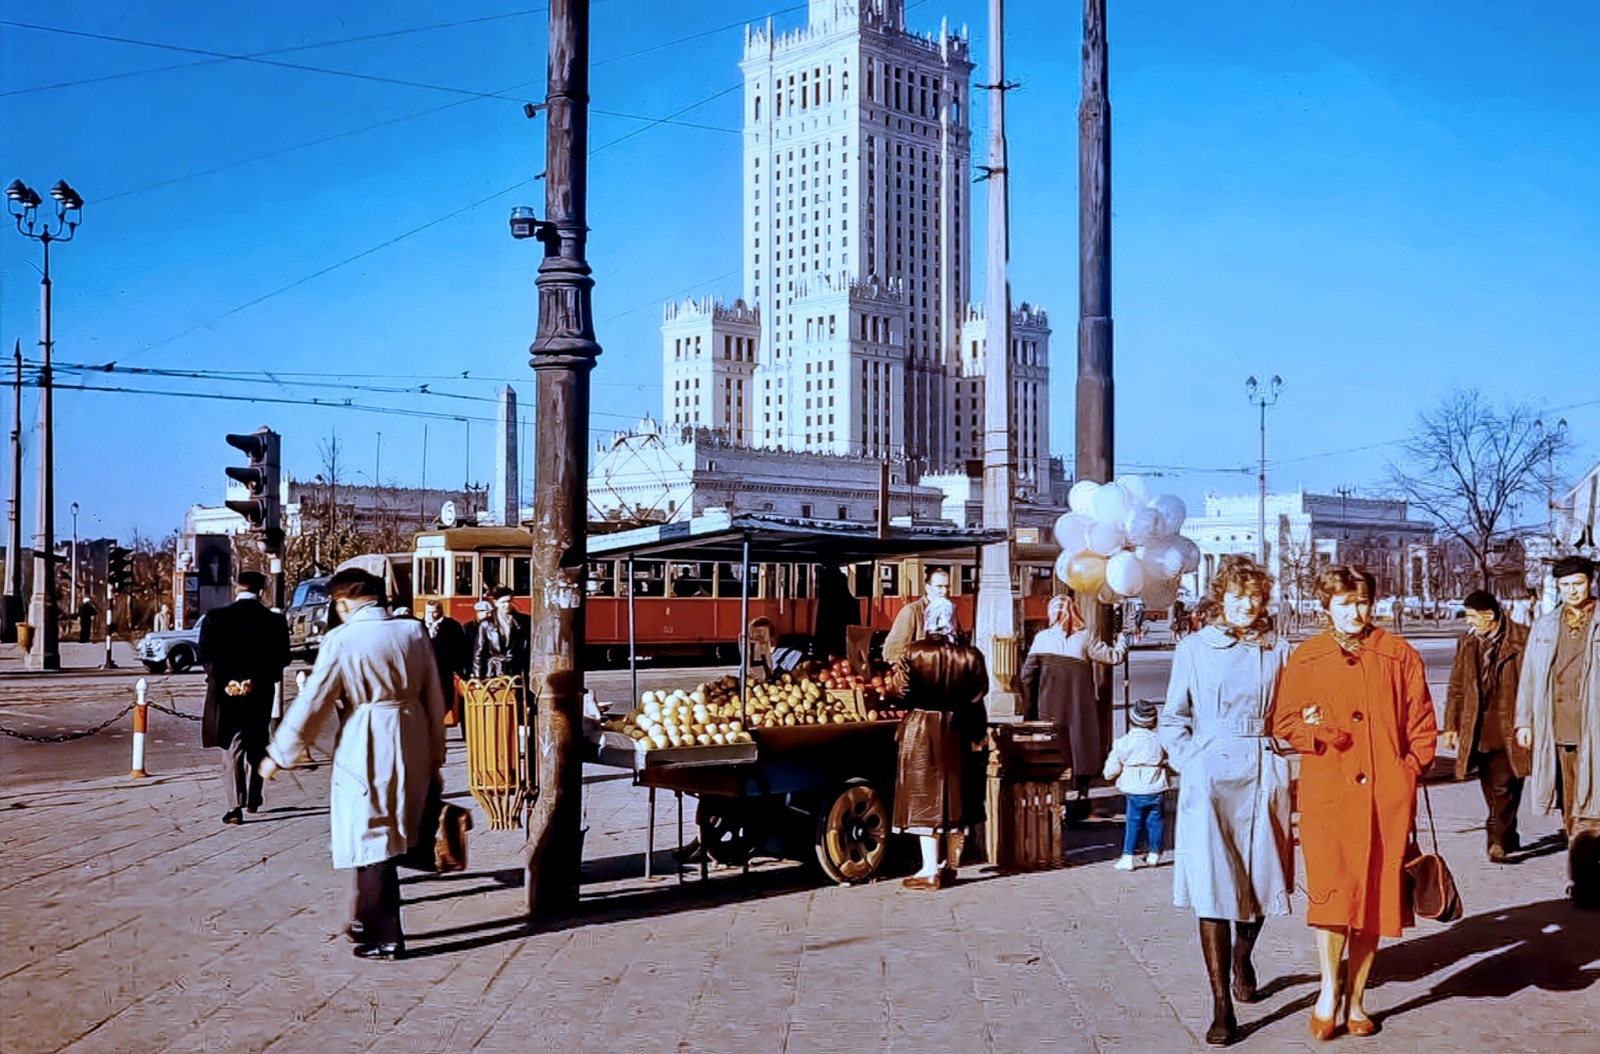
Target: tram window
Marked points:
969	578
649	578
602	580
464	586
861	580
730	576
522	575
689	580
1041	581
430	576
802	580
491	574
889	579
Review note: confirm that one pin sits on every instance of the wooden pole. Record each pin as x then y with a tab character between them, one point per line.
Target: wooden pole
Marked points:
1093	454
564	353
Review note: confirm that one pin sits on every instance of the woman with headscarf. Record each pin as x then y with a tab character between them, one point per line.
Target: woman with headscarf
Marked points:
1353	701
1058	685
1234	863
941	746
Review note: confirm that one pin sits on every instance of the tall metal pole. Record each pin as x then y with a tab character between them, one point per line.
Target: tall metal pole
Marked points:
564	353
44	611
1264	395
73	571
13	587
996	628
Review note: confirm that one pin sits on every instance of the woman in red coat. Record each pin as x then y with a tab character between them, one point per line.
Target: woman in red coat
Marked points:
1354	703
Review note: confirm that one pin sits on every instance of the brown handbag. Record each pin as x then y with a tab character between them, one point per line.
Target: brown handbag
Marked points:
1429	884
442	837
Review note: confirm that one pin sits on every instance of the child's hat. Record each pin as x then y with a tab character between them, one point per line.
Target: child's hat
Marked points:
1144	714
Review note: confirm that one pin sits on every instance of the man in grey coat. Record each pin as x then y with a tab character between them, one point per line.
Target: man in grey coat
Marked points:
1558	718
377	673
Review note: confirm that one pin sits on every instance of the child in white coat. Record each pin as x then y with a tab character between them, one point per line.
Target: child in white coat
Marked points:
1139	765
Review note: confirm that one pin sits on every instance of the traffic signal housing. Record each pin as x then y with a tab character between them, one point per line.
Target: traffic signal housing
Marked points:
261	508
119	569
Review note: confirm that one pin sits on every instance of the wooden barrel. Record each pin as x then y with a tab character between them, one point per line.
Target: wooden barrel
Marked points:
496	774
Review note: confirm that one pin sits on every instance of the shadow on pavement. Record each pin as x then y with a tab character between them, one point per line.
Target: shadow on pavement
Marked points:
1543	945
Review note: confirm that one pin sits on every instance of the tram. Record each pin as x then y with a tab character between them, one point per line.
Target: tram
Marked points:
691	609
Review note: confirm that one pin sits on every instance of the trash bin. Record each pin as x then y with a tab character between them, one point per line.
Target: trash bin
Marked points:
1028	778
496	717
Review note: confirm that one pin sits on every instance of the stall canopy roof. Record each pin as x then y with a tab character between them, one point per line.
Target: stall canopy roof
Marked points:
718	536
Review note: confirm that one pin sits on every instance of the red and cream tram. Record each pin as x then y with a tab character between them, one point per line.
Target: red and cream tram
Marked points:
692	609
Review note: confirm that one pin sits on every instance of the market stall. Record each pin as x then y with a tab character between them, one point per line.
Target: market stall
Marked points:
799	764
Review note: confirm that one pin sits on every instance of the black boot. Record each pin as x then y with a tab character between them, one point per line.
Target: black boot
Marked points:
1244	971
1216	944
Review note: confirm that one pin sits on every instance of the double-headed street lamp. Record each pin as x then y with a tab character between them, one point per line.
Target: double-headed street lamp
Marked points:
44	609
1263	395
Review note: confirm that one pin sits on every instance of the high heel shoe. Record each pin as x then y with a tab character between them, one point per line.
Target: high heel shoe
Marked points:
1361	1026
1323	1028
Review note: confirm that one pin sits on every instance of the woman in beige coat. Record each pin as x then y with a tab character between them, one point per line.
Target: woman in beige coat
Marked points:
377	674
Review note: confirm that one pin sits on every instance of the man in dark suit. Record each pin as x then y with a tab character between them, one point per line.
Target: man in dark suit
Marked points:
503	643
245	648
451	653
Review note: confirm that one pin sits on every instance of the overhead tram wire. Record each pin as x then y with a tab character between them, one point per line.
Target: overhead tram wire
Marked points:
273	51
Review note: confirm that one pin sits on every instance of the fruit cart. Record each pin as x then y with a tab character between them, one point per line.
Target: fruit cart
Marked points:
800	767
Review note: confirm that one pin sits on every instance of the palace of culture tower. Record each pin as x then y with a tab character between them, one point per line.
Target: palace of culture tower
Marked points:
856	334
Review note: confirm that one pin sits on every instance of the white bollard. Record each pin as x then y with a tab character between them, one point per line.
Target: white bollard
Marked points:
140	716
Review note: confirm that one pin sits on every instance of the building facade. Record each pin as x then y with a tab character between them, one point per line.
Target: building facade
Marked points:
854	334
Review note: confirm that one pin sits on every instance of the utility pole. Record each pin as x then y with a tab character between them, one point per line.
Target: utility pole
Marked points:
1095	433
13	587
563	355
996	628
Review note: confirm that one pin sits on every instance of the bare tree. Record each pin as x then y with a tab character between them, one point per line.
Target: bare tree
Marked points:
1468	464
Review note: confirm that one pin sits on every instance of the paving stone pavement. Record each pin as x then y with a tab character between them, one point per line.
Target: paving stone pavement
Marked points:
131	920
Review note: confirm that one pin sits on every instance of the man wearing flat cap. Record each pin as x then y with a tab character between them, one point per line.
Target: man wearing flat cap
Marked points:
1558	718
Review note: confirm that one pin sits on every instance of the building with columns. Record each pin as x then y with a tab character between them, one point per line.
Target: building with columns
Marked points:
855	334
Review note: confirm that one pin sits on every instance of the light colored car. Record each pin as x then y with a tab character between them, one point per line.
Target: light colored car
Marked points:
176	650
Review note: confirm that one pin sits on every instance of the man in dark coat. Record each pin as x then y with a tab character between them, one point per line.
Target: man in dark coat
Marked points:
452	653
1480	715
503	643
245	648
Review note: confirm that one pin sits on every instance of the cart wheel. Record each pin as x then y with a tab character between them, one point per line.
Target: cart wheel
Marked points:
728	830
853	834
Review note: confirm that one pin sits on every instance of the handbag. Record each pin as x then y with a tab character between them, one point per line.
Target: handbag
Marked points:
1430	886
442	836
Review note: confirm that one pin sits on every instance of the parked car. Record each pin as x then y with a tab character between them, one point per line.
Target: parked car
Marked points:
176	650
308	617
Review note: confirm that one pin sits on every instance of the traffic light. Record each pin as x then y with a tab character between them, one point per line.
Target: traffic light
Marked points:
119	569
261	509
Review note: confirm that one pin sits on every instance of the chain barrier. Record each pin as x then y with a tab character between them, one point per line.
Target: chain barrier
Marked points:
68	736
174	713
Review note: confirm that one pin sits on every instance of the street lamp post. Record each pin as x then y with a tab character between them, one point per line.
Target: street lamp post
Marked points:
44	610
1263	395
73	606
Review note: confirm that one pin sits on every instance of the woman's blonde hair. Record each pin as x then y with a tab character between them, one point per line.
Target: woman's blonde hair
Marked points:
1239	574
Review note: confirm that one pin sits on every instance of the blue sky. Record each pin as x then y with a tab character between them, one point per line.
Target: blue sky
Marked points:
1378	201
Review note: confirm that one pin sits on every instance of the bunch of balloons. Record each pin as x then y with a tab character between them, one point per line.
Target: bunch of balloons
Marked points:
1119	542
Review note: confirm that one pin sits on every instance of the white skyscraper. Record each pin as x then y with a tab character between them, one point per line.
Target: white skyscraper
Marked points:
856	221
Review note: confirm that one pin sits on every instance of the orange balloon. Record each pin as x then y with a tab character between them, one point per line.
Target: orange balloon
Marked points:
1086	572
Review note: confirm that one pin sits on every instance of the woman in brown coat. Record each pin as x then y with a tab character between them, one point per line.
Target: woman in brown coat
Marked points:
937	789
1354	703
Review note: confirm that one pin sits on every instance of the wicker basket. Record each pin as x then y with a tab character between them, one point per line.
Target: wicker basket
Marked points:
496	714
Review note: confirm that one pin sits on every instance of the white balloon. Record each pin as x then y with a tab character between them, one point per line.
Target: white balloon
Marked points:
1081	497
1138	491
1125	574
1144	525
1190	551
1062	561
1106	538
1072	532
1163	559
1159	594
1111	504
1172	511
